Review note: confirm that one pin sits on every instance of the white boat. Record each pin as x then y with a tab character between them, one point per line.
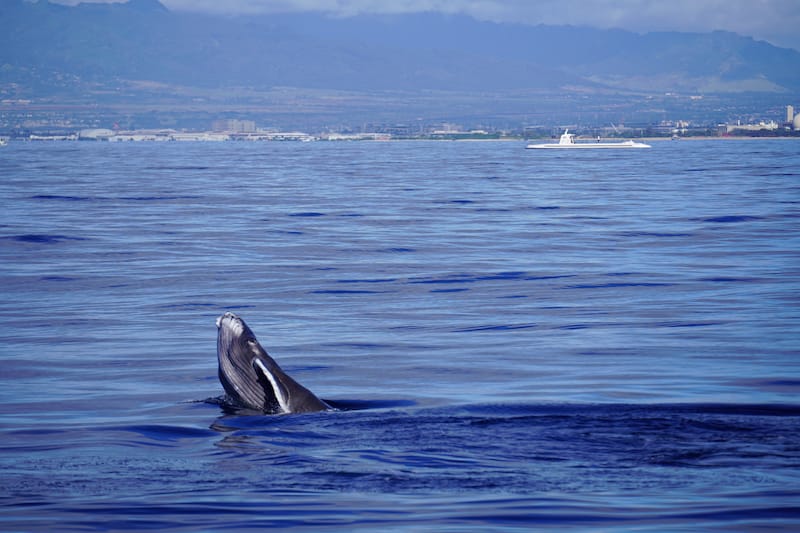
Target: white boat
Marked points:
3	142
567	141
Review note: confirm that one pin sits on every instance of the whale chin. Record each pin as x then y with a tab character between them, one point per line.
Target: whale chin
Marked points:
252	379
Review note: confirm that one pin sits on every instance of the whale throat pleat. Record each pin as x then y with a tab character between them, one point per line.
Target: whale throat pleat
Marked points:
280	394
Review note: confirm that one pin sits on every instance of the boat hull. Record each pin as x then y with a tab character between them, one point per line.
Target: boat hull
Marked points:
587	146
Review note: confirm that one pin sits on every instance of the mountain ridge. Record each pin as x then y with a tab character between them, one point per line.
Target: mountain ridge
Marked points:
44	44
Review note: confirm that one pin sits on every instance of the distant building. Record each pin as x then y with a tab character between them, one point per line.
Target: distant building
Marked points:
233	125
201	136
95	134
792	120
765	126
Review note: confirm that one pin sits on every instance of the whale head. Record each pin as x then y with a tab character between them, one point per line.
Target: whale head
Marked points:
251	378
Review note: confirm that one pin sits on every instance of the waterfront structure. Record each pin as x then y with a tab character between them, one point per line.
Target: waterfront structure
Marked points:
202	136
356	137
761	126
95	134
65	137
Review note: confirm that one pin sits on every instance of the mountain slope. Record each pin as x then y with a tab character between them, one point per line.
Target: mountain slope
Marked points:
44	46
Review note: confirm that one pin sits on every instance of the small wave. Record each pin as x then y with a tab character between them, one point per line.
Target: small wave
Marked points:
359	345
770	384
43	238
57	278
441	291
731	219
64	198
687	324
378	280
574	327
364	405
178	167
656	234
469	278
616	285
496	327
164	433
502	276
156	198
343	291
545	278
189	305
726	279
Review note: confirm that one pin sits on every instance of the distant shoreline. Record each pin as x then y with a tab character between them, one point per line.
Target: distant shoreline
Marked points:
718	138
214	137
591	138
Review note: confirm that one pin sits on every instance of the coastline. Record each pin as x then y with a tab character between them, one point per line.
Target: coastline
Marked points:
147	136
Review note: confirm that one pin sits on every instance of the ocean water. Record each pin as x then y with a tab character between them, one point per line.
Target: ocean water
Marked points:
516	339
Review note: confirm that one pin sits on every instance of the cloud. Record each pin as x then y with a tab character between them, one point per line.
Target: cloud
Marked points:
777	21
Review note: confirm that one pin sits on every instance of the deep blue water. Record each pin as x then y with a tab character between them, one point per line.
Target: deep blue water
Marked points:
517	338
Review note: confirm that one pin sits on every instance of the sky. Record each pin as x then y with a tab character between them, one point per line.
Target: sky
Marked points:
775	21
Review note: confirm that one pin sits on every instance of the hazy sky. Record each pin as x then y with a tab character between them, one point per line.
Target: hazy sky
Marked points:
776	21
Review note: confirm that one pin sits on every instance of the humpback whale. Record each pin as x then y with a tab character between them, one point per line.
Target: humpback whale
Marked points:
252	379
